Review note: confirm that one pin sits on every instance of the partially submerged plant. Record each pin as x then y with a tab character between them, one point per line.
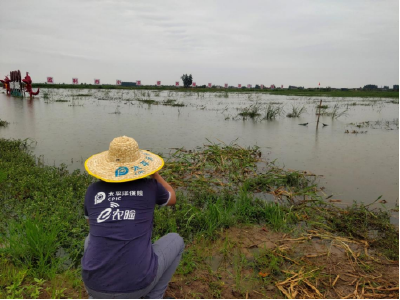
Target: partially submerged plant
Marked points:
3	123
252	111
322	106
83	95
336	113
296	111
148	101
273	111
172	102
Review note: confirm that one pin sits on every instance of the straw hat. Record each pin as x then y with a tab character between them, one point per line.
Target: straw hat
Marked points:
124	161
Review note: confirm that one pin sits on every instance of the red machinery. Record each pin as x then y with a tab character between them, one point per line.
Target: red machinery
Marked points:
6	84
28	85
14	84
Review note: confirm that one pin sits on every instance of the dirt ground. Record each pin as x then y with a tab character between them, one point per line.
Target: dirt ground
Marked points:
254	262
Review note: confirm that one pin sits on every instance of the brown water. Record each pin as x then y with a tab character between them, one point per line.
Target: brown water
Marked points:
358	167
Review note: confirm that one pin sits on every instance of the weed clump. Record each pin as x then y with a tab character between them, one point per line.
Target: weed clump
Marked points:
173	103
3	123
272	112
148	101
296	111
374	226
251	112
335	112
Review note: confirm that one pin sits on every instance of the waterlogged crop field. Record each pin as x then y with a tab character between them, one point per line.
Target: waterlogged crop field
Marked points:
262	194
356	154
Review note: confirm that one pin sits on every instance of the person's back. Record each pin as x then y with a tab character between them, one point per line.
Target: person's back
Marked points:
119	259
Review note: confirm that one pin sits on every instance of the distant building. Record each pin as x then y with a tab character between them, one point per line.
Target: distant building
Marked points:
396	87
126	83
370	87
292	87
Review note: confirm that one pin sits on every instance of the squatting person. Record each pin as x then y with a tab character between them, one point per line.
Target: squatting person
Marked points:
119	259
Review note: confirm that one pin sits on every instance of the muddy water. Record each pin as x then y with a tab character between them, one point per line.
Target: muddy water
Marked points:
355	166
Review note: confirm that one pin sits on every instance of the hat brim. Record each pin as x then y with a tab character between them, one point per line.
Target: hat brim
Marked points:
98	166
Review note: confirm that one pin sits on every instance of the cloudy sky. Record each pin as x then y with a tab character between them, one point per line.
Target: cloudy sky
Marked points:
339	43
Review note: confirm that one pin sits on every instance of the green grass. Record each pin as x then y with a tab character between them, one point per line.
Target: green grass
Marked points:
268	262
34	243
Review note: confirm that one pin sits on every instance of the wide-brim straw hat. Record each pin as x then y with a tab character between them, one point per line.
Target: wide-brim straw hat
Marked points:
124	161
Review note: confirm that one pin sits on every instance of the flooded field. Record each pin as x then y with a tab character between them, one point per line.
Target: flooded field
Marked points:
357	152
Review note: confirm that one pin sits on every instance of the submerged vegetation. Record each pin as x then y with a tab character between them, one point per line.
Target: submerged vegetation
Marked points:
255	111
251	112
273	111
148	101
296	111
3	123
172	102
239	244
334	113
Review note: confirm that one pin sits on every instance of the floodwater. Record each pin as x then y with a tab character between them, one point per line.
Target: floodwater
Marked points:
355	166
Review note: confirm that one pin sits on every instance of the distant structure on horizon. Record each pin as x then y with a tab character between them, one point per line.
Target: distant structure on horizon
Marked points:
127	83
370	87
292	87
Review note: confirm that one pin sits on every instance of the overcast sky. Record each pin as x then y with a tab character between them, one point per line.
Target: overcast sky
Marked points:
342	43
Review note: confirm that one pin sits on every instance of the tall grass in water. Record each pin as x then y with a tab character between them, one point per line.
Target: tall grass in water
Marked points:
336	113
296	111
251	112
272	112
224	94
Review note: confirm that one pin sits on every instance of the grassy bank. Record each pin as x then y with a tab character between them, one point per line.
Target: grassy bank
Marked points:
296	92
238	245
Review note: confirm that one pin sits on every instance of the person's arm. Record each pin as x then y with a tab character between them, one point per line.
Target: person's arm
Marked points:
86	212
165	184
